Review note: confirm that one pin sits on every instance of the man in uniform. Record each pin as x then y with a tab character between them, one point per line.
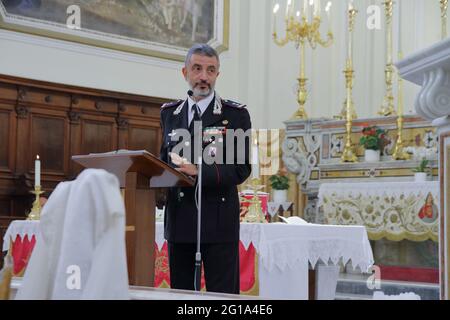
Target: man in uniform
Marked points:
220	200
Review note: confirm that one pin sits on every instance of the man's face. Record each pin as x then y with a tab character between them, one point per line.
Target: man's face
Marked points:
201	74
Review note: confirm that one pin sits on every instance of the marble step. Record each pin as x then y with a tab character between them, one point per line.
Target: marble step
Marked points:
355	286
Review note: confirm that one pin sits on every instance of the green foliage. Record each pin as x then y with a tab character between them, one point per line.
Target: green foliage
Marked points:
279	182
422	166
373	138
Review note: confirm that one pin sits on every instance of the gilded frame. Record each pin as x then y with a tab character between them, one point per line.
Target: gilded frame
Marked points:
50	29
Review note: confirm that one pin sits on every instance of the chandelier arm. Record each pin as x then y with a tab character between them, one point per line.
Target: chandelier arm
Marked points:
280	42
325	43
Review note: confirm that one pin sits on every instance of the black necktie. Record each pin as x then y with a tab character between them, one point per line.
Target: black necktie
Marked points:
196	110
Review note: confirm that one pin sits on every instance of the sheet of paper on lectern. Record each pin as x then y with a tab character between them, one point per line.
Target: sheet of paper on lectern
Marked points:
121	151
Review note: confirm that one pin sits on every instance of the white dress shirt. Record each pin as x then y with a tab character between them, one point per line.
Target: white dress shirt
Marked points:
202	104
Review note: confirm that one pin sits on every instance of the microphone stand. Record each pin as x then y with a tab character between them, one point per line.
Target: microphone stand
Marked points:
198	254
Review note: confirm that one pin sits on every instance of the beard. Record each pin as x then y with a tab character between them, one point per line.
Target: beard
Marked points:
202	92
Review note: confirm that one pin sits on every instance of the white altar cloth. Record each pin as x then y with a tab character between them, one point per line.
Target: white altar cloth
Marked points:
285	250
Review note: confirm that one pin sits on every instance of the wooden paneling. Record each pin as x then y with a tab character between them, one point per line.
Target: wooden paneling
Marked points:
7	138
58	121
4	138
47	140
8	92
5	207
143	139
47	98
98	136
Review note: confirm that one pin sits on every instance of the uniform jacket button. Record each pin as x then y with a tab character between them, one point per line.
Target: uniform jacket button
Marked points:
223	199
182	194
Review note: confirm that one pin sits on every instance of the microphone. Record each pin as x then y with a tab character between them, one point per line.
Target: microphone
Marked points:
190	93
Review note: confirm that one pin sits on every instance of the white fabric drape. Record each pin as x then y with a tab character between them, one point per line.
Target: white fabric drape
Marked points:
82	234
285	251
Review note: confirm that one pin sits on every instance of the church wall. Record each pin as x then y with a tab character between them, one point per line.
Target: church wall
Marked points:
421	28
254	71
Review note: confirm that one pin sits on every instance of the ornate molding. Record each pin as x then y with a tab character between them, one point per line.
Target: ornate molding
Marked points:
122	123
21	94
298	161
22	111
433	101
122	107
144	110
429	68
295	160
75	100
74	117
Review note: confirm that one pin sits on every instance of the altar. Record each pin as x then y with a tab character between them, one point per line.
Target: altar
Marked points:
402	222
283	255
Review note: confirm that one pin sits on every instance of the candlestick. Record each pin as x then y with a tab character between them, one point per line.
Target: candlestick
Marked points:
254	214
255	160
302	30
35	213
444	7
387	107
37	171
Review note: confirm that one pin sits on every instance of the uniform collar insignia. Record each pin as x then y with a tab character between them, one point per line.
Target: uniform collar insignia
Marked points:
180	107
217	105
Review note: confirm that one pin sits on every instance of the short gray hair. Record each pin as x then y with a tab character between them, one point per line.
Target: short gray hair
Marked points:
201	49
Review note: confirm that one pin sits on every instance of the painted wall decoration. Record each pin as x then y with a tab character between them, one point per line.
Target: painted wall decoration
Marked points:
162	28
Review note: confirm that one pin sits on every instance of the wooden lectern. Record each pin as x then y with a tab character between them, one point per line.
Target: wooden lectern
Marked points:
138	172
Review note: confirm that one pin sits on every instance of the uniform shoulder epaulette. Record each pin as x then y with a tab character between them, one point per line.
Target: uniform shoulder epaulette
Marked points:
171	104
233	104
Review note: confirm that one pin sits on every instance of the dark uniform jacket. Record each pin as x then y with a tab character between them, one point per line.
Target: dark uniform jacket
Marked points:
220	200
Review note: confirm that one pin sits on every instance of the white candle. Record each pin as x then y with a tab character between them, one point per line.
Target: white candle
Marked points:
288	5
400	26
328	10
37	172
317	8
305	8
349	34
255	160
311	9
275	10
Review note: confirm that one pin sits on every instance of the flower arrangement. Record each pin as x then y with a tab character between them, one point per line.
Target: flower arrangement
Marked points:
280	181
419	153
373	138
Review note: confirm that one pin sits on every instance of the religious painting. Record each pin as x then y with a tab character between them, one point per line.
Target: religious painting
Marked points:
429	212
161	28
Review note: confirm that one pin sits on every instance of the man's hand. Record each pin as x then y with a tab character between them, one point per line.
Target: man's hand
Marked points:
188	169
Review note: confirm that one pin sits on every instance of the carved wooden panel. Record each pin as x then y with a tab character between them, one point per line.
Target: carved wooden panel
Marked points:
143	139
98	136
4	138
7	140
47	140
8	92
5	207
45	97
59	121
